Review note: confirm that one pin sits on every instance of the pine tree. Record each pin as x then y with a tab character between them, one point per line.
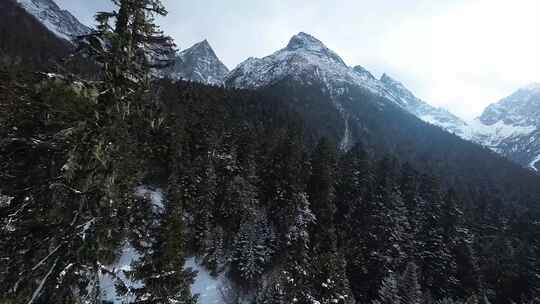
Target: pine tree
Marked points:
132	47
329	277
354	179
389	292
161	268
321	194
99	132
409	286
253	248
435	255
283	183
200	191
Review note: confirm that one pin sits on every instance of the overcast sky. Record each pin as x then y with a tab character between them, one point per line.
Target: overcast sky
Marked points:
457	54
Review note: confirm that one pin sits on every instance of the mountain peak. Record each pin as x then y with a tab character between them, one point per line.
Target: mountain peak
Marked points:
203	44
360	70
385	78
199	63
305	41
308	44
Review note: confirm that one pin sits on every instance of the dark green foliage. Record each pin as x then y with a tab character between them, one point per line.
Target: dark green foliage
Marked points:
255	188
245	195
321	194
410	289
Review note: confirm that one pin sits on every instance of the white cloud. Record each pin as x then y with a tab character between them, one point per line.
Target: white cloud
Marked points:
471	55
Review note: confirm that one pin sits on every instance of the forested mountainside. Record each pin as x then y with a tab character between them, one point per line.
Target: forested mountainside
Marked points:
280	217
112	190
384	128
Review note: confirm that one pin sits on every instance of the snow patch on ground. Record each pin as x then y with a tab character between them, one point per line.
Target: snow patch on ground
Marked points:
155	196
211	290
111	274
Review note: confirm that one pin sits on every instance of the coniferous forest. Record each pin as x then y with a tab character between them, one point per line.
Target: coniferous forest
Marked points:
253	188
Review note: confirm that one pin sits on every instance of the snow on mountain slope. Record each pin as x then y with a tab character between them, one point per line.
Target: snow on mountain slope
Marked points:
199	63
534	163
60	22
511	126
307	60
522	108
436	116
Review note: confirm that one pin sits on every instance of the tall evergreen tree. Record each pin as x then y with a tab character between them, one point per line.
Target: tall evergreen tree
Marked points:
435	255
389	292
409	286
321	194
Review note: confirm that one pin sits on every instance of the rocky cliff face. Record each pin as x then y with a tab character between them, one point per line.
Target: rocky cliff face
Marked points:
514	125
199	63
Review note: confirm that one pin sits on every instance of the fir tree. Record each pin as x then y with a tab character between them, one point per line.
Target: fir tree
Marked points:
389	292
409	286
253	248
321	195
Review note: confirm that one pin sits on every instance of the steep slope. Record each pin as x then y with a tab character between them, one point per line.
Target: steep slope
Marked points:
350	106
61	22
24	40
308	60
511	127
199	63
436	116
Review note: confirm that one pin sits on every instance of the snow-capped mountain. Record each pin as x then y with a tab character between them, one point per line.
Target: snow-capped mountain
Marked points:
199	63
511	127
308	60
59	21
